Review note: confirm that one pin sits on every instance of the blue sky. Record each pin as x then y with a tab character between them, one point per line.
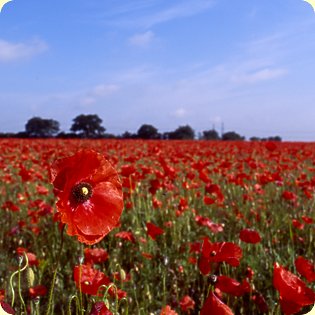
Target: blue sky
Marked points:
247	63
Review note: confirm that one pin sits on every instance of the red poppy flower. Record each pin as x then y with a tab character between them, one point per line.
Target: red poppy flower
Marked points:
270	146
208	200
99	308
24	173
307	220
231	286
204	177
95	255
289	196
294	294
147	255
213	227
154	186
305	268
215	189
42	190
213	305
38	290
89	279
128	183
126	236
249	273
250	236
218	252
297	224
212	188
187	304
192	260
9	205
6	309
260	301
153	230
21	250
156	203
195	247
168	224
32	259
89	192
120	293
182	206
127	170
167	311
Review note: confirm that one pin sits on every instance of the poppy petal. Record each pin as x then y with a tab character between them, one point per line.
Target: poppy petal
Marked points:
213	305
100	214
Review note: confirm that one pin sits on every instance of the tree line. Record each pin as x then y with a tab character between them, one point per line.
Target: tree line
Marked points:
90	127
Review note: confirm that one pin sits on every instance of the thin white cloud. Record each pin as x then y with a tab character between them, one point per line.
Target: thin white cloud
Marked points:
262	59
180	113
271	47
104	89
130	6
141	40
19	51
253	13
216	120
257	76
134	75
182	9
87	101
99	91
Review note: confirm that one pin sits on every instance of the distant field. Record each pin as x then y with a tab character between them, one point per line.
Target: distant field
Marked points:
184	202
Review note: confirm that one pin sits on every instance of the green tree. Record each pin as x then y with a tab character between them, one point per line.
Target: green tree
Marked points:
88	126
39	127
254	139
210	135
275	138
232	136
128	135
182	133
148	132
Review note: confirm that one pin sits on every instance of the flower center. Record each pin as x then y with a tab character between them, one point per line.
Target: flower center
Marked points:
213	279
82	192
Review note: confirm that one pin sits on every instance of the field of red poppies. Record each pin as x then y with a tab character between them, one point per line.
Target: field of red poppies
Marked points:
183	227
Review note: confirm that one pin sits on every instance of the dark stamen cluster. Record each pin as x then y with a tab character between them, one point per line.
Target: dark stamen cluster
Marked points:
81	192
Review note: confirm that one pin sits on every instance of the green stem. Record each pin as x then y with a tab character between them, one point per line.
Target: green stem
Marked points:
80	277
77	304
19	284
80	290
19	290
36	302
51	292
127	306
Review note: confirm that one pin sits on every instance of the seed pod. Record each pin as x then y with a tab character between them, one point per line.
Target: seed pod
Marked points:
30	277
122	274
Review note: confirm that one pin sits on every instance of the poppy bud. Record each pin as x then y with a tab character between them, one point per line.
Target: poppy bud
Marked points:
30	277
